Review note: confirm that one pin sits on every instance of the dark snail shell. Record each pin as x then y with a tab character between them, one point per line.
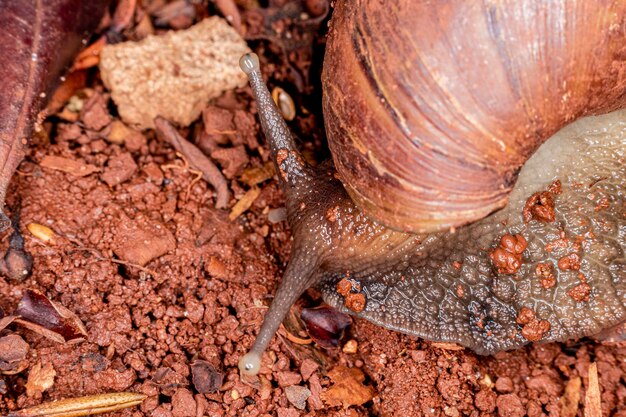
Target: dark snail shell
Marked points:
432	108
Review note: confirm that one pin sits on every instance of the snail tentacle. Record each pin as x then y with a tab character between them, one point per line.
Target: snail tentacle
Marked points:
298	182
290	165
297	278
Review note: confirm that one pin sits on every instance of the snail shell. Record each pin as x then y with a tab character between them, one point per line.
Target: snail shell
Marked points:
438	137
437	107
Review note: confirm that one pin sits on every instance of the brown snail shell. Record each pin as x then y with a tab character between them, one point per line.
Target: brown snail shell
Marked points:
432	109
438	136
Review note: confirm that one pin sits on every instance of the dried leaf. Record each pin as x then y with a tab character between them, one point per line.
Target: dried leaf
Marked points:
244	203
348	388
206	379
229	10
40	378
593	407
38	39
5	321
82	406
70	166
571	398
49	319
325	325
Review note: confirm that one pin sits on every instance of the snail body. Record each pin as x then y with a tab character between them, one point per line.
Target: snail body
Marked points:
422	146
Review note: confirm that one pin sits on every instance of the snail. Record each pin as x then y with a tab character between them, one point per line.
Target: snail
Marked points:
426	222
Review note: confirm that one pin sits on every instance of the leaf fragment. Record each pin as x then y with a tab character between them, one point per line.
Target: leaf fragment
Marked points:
40	378
348	388
82	406
49	319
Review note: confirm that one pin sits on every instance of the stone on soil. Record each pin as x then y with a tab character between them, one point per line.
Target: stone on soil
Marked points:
187	67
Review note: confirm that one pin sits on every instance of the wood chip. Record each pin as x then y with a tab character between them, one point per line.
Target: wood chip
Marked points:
5	321
70	166
244	203
571	398
446	346
593	407
256	175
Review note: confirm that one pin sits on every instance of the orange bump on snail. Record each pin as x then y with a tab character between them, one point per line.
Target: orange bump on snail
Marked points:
459	128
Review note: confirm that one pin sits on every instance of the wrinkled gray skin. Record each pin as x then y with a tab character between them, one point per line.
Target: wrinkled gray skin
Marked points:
410	282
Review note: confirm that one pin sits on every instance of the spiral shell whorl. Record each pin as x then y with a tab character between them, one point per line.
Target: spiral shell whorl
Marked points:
429	128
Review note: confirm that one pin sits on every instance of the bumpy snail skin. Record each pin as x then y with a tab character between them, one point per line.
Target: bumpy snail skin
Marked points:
445	286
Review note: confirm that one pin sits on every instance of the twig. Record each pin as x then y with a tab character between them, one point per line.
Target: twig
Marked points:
99	257
185	167
196	159
83	406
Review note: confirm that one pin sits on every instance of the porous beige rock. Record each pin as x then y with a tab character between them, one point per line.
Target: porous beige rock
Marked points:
173	75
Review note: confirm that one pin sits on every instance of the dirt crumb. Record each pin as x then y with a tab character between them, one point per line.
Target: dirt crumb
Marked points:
332	214
344	287
510	405
139	242
525	316
94	114
539	206
485	400
603	203
286	379
232	160
355	302
569	262
533	329
545	273
580	292
507	257
287	412
183	403
120	168
556	187
504	385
